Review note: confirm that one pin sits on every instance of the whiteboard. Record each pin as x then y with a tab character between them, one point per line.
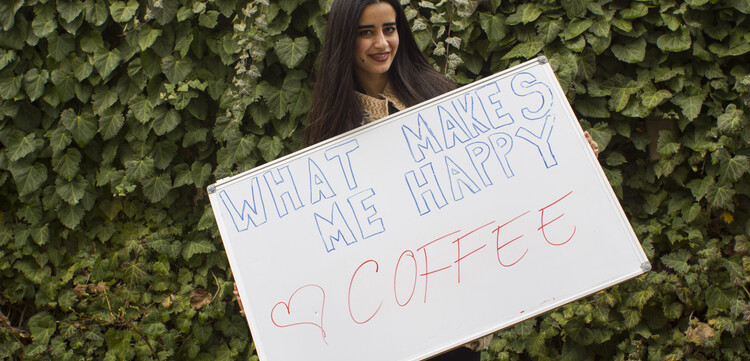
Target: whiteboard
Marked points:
413	235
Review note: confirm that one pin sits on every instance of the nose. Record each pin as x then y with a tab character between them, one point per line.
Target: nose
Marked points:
380	41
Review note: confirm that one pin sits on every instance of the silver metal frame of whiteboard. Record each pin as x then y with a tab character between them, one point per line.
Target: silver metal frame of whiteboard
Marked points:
645	266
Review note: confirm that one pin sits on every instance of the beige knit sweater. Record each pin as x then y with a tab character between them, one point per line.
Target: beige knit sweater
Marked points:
377	108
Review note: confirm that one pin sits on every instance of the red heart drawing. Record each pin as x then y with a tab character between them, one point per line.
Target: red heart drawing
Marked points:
288	319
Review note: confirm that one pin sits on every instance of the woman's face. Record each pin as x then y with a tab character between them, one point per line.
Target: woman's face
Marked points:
377	41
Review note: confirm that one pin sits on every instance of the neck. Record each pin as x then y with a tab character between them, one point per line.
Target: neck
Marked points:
372	84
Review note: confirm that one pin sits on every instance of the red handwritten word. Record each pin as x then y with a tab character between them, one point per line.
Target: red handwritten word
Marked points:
459	239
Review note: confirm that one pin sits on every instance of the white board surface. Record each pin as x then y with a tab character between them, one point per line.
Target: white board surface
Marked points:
413	235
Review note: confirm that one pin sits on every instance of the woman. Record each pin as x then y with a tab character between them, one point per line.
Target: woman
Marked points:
370	67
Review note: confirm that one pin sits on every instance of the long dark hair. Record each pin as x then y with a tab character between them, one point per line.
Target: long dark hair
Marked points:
335	108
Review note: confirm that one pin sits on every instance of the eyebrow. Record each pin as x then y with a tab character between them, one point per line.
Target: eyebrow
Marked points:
372	26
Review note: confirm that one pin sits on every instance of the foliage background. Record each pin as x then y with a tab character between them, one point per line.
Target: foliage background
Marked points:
116	114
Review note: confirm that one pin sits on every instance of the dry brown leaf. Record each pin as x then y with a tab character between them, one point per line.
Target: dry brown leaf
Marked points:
79	290
100	287
699	332
199	297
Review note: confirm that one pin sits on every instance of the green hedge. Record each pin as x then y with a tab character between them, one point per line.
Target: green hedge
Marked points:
116	115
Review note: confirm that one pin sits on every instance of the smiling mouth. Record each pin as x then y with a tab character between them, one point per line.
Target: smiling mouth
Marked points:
380	57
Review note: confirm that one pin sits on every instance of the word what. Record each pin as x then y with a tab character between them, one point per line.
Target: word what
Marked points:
279	189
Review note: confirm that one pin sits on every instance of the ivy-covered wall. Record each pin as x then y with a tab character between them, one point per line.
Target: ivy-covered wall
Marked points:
116	114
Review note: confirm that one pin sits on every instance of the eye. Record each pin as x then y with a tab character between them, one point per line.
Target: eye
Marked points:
389	30
366	32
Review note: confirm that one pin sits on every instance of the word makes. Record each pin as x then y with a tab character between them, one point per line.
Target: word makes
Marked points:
506	242
477	123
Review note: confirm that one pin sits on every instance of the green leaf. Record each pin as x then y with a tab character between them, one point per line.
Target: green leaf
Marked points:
200	174
300	102
666	144
156	187
240	148
142	109
270	147
194	136
674	41
147	36
576	27
740	5
734	168
27	177
494	26
548	29
67	163
183	44
525	13
59	138
70	215
690	103
106	61
65	84
176	70
631	317
291	52
427	5
651	97
42	326
632	52
163	153
167	122
731	121
71	191
96	12
121	12
738	45
621	88
197	247
69	9
720	196
677	261
183	175
103	98
208	19
19	145
9	86
40	234
7	57
139	168
641	297
635	11
34	81
717	299
44	20
592	107
110	122
575	8
526	50
278	99
60	46
8	11
81	69
82	126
